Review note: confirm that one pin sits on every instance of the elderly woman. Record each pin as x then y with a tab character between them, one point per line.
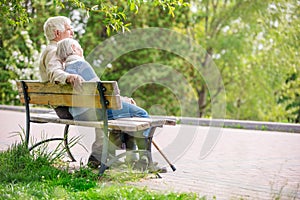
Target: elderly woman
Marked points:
71	53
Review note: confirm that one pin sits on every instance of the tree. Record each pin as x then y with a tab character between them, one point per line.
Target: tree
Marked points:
21	36
253	43
243	38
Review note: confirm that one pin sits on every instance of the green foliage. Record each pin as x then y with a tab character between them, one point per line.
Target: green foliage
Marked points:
129	192
40	165
254	44
37	191
13	12
18	165
21	38
289	97
254	59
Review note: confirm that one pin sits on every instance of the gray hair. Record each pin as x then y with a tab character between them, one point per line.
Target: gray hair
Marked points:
64	48
53	24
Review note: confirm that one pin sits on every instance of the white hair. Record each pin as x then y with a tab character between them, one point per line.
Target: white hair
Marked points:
64	48
53	24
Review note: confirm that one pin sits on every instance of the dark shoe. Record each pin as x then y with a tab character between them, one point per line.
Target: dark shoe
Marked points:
93	162
156	169
141	164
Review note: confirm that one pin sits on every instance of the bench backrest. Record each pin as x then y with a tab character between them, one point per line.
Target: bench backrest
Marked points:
51	94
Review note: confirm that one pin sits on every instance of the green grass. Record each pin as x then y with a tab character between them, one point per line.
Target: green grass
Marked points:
36	190
39	175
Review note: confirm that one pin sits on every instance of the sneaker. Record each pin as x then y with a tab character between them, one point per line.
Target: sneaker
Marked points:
141	164
93	162
157	169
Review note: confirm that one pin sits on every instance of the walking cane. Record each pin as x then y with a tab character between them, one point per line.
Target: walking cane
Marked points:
163	155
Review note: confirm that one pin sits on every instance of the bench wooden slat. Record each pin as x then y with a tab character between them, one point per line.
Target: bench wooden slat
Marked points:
72	100
152	122
171	121
88	88
64	95
127	127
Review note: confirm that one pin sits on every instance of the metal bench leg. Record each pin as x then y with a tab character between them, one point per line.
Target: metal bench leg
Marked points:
104	104
26	99
44	141
104	165
64	139
66	131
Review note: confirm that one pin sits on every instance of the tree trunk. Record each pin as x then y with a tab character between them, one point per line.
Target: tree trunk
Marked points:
202	91
201	100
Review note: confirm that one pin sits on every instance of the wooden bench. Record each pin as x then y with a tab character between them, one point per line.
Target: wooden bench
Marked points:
104	95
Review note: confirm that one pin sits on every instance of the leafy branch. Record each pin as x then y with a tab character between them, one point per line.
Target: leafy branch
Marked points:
115	16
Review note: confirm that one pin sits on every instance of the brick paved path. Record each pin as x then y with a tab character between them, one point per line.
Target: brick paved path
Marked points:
243	164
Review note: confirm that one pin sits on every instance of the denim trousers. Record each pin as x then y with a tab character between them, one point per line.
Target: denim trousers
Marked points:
127	111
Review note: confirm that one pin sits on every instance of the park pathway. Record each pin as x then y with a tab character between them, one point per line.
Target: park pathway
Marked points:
246	164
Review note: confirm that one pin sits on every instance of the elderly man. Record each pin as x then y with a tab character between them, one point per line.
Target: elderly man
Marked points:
52	69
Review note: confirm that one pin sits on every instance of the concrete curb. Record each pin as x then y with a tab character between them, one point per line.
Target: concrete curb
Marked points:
22	109
226	123
243	124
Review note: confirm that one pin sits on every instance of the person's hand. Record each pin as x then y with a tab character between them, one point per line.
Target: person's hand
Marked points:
76	81
132	101
128	100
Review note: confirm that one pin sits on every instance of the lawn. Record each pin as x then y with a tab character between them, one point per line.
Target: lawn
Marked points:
42	175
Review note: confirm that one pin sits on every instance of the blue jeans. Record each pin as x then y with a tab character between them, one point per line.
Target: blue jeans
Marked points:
128	110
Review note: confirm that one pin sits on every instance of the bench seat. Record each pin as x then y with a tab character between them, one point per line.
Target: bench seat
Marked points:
129	125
